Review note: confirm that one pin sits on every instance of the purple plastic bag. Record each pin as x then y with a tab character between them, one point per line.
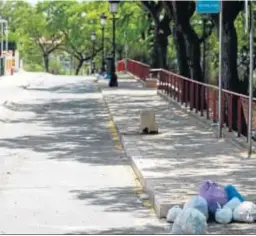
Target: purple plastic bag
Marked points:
213	194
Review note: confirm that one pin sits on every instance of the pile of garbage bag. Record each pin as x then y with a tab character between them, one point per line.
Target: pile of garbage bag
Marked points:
222	204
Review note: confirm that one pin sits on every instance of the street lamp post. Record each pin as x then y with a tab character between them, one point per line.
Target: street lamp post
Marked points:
103	19
113	9
93	38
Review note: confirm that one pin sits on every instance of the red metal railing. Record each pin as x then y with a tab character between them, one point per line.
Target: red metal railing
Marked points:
120	66
138	69
200	97
203	99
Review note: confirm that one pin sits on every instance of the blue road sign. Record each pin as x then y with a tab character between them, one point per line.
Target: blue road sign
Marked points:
207	7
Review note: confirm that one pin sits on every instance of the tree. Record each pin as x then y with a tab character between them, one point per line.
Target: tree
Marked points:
162	31
130	31
76	21
179	42
41	30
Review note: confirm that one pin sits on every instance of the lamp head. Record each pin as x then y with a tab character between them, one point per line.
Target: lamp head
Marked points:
103	19
93	36
113	6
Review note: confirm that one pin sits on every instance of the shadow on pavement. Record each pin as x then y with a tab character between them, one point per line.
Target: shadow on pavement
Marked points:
118	199
70	129
68	88
143	230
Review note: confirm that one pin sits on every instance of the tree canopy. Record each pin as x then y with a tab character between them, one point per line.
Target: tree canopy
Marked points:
167	34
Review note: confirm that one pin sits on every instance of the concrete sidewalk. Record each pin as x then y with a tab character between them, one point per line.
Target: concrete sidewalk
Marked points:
172	164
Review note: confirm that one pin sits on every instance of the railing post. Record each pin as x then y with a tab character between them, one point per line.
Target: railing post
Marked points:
186	93
208	104
197	95
230	112
202	99
191	96
223	109
239	118
126	65
178	89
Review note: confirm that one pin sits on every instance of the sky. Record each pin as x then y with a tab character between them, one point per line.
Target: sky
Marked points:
32	1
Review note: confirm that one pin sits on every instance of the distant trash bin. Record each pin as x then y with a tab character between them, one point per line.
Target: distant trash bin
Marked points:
109	66
2	65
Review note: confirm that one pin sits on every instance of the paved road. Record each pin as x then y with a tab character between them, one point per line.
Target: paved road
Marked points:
62	169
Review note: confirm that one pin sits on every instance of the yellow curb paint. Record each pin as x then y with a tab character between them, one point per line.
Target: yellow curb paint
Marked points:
114	135
118	147
137	189
147	203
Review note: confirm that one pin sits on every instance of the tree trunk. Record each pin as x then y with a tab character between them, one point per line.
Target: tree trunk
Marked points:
79	66
194	54
181	58
162	45
46	62
181	53
229	71
120	54
182	12
163	32
154	62
159	52
229	55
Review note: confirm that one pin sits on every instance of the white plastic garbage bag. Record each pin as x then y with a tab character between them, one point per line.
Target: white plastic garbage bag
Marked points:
198	203
190	221
233	203
173	213
245	212
223	215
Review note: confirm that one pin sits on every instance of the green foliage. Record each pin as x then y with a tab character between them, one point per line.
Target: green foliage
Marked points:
33	67
55	67
70	23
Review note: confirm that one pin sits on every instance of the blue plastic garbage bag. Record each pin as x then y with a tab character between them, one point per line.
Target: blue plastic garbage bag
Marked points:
233	203
173	213
189	221
198	203
232	192
223	215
